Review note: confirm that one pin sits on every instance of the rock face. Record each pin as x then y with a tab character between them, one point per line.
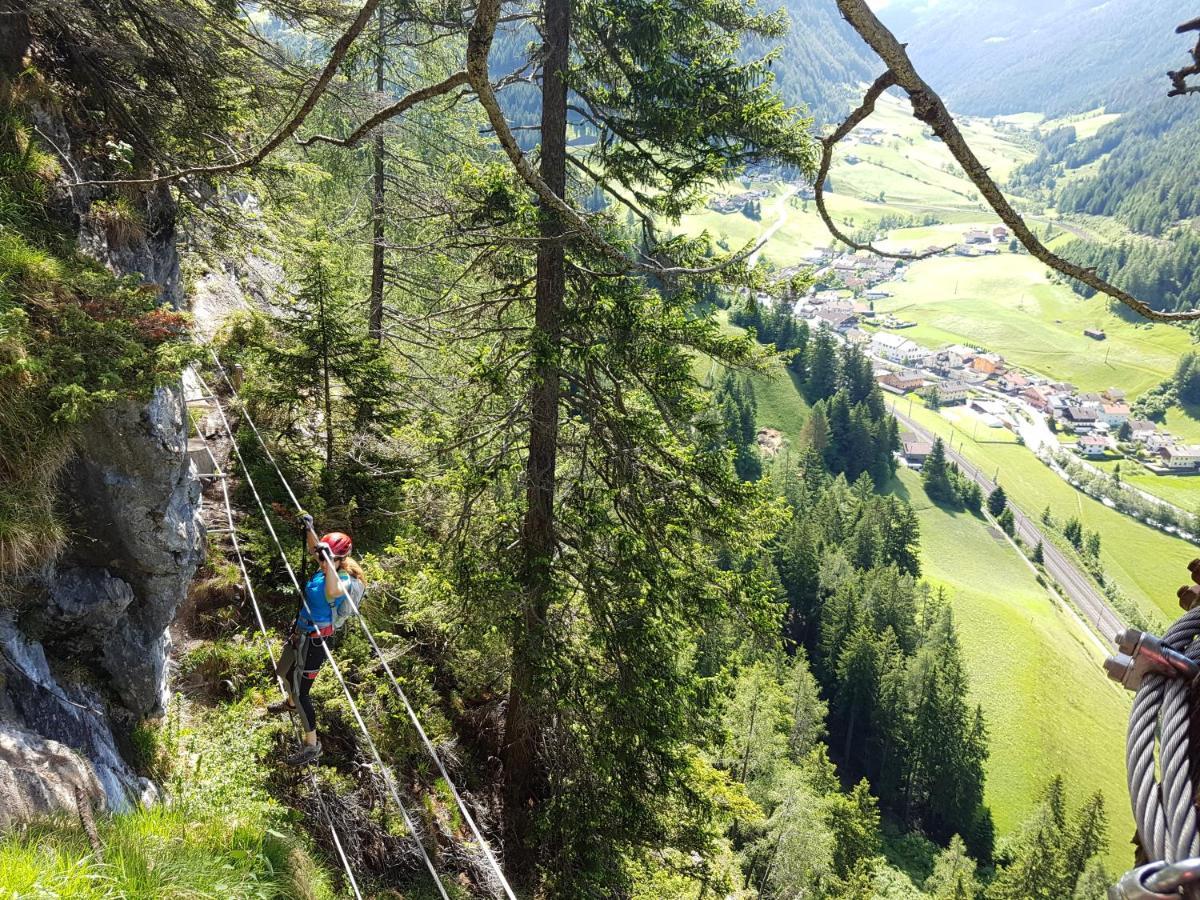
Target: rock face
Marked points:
39	777
84	644
136	498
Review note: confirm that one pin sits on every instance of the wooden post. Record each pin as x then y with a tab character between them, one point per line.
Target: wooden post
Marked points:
238	374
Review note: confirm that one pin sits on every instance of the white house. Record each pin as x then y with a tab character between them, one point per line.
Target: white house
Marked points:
1141	430
1092	445
1157	440
894	347
1115	414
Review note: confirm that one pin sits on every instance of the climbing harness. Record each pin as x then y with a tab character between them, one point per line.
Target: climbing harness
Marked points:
494	865
385	773
1162	672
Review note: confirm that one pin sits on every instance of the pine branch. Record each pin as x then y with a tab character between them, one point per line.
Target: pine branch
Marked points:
929	108
479	44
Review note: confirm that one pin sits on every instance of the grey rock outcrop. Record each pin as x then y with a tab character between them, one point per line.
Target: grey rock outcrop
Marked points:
84	643
39	777
137	500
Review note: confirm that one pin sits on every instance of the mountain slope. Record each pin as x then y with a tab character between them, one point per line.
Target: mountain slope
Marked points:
821	59
990	57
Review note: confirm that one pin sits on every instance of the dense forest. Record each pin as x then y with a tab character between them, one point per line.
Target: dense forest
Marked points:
659	664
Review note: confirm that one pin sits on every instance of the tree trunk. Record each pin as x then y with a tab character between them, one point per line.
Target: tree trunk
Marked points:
524	772
325	370
375	320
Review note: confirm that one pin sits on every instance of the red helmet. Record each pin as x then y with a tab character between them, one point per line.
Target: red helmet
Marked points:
339	544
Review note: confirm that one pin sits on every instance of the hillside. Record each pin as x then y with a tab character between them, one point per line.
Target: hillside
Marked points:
1014	56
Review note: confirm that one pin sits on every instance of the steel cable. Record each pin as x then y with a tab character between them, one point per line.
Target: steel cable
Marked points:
501	880
262	627
383	769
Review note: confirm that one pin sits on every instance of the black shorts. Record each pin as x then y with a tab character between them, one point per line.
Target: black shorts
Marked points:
299	664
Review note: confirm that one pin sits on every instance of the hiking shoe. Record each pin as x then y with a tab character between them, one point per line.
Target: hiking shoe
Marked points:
280	707
309	753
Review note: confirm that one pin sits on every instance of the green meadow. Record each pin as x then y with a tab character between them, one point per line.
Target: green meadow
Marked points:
1035	669
1146	564
1006	305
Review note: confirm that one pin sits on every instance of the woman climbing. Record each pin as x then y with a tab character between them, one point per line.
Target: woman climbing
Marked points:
323	609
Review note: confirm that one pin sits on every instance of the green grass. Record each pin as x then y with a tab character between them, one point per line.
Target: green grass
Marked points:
1035	670
1181	490
1005	304
1146	564
223	836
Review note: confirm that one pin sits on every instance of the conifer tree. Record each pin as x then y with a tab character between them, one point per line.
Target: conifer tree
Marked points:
953	876
997	501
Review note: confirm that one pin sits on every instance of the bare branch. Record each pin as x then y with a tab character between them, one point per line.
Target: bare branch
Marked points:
407	102
336	55
929	108
882	83
1179	85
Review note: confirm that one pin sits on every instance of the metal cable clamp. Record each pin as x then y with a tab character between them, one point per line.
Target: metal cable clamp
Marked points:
1141	653
1157	881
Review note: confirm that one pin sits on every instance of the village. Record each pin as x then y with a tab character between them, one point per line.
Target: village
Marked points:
995	393
1097	426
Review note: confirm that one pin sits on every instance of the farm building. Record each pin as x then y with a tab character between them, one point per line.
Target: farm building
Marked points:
977	236
1180	456
1096	334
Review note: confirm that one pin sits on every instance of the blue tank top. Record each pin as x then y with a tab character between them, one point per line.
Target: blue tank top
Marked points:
319	613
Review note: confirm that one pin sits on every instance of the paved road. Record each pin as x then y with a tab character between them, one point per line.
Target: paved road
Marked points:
1090	601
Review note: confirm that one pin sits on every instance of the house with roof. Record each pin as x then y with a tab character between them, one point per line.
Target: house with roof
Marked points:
1013	382
839	320
1093	445
902	382
949	392
1000	233
1079	419
958	355
1096	334
1037	397
1180	456
1142	429
1113	395
1115	414
977	236
988	363
895	348
915	450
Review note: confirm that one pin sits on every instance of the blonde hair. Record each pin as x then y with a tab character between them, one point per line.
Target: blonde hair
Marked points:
353	569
